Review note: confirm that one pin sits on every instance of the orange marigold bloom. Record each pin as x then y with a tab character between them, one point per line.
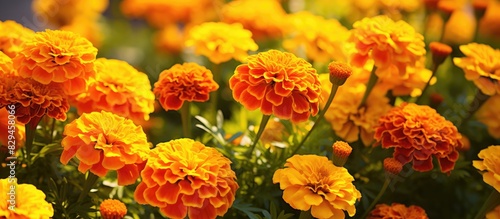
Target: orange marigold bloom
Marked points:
393	46
494	214
183	178
103	141
489	164
278	83
57	56
323	39
313	182
264	18
112	209
32	99
186	82
396	210
126	94
6	64
12	36
488	115
27	201
220	42
417	133
10	127
64	12
481	65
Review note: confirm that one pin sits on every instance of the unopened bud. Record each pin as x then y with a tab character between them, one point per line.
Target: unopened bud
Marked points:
392	166
341	151
440	52
339	72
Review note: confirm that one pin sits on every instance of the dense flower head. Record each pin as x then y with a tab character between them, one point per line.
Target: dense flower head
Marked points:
118	88
339	72
33	100
6	67
393	45
57	56
277	83
12	36
418	132
220	42
112	209
264	18
186	82
103	141
322	39
494	214
490	165
183	178
311	182
29	202
481	65
488	115
64	12
10	146
397	211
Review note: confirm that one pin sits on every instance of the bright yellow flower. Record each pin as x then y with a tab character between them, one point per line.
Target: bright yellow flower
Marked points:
27	201
489	165
12	36
220	42
313	182
488	114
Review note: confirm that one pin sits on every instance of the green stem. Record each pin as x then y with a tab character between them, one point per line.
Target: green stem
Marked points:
379	195
369	87
87	186
186	119
492	201
434	70
30	137
319	118
263	123
52	127
214	98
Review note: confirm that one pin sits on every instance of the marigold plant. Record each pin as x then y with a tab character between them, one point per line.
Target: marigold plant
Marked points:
25	201
489	165
396	210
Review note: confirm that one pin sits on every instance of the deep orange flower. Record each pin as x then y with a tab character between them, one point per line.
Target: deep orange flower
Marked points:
396	210
126	94
417	133
186	82
103	141
494	214
183	178
112	209
481	65
32	99
278	83
10	128
313	182
490	165
488	115
57	56
220	42
12	36
28	201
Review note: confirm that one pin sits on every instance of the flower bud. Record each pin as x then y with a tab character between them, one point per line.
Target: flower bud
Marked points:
341	151
339	72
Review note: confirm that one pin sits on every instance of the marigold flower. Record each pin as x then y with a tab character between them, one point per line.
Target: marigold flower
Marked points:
488	115
87	28
393	46
490	22
323	39
412	85
339	72
186	82
12	36
341	151
489	165
112	209
18	132
278	83
103	141
313	182
183	178
417	133
64	12
126	94
275	132
393	166
481	65
460	27
494	214
396	210
170	39
6	65
29	202
220	42
32	99
57	56
440	52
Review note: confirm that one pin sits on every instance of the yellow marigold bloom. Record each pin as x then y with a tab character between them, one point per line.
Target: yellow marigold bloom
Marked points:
322	39
396	210
411	85
348	121
417	133
112	209
183	178
460	27
11	127
313	182
481	65
277	83
264	18
32	99
25	202
12	36
494	214
220	42
488	115
57	56
186	82
118	88
103	141
489	165
64	12
393	45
